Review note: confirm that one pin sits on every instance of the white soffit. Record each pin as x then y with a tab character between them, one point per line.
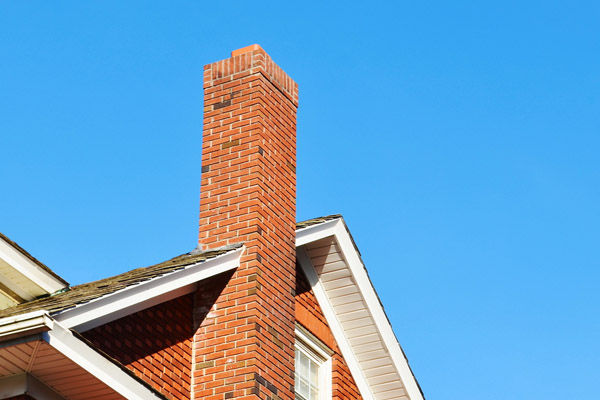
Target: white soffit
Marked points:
39	345
22	276
146	294
354	313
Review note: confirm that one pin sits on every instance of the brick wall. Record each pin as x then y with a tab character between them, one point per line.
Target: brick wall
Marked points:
310	316
156	344
248	195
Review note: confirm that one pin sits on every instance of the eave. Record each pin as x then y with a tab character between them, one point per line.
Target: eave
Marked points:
339	280
146	294
42	358
43	353
22	277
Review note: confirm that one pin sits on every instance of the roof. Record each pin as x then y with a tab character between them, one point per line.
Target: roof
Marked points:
87	292
330	259
37	351
73	296
32	258
333	266
318	220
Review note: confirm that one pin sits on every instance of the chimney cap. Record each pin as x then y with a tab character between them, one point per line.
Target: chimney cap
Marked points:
246	49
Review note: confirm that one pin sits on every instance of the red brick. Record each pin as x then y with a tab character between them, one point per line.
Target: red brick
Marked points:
245	202
156	344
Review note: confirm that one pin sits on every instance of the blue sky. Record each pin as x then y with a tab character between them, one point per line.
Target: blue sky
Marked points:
460	141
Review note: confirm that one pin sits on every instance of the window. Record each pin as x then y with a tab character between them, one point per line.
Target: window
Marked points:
312	367
307	376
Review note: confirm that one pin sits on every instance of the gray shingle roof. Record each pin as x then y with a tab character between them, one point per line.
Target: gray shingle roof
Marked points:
86	292
318	220
89	291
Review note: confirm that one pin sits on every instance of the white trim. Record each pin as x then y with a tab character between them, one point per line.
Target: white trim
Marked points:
336	328
319	347
63	340
146	294
315	232
25	324
25	383
374	305
315	349
12	386
337	229
30	269
18	290
81	354
38	390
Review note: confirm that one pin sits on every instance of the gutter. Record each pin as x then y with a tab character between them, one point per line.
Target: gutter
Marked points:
25	325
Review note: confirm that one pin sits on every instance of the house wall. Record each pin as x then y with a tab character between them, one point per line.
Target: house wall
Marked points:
309	315
155	343
234	337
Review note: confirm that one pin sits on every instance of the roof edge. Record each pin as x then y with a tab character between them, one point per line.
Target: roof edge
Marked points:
335	226
108	370
145	294
33	259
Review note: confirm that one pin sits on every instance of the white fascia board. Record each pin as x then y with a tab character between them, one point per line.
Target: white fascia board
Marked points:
374	305
18	290
336	327
63	340
25	324
31	270
315	232
145	294
16	385
13	386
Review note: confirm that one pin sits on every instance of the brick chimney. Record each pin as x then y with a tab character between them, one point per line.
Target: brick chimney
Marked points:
244	341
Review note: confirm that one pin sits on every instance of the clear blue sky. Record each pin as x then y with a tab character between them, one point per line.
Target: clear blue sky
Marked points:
459	139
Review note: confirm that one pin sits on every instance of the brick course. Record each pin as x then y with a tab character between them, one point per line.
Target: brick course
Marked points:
244	345
155	343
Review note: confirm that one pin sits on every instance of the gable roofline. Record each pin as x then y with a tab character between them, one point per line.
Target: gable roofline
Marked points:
40	326
91	304
176	277
148	293
22	276
33	259
334	227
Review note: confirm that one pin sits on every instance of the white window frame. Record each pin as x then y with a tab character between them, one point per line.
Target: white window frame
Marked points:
319	352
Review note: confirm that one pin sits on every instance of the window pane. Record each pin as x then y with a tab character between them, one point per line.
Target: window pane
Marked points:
314	373
304	365
307	376
303	389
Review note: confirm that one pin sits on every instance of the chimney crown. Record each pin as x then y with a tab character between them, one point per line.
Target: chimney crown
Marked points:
246	49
